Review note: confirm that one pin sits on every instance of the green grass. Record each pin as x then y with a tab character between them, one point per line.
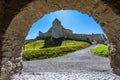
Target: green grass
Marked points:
34	50
101	50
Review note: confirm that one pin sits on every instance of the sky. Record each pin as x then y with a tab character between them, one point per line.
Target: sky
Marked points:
71	19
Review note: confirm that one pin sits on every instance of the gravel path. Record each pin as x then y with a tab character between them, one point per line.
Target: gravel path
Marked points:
79	65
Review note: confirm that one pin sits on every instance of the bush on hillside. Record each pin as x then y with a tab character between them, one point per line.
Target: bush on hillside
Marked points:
101	50
52	42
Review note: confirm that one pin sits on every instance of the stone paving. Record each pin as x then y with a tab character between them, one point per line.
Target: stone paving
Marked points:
80	65
68	76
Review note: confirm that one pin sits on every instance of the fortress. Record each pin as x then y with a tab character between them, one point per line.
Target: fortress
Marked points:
58	31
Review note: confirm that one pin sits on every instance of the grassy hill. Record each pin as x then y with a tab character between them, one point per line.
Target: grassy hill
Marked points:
35	50
101	50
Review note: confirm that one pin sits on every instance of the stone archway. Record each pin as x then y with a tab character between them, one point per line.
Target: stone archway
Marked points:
17	17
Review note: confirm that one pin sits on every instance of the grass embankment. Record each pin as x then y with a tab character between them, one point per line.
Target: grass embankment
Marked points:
35	50
101	50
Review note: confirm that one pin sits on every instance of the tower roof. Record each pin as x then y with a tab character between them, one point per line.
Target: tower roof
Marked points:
56	21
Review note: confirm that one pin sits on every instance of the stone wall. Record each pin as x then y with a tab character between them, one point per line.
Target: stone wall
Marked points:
58	31
1	34
18	16
67	33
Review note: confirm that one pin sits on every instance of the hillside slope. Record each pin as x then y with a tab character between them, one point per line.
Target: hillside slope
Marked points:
35	50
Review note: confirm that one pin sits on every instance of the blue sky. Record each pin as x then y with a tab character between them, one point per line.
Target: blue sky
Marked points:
70	19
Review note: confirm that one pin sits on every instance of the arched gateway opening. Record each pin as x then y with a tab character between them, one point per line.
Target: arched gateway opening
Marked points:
17	17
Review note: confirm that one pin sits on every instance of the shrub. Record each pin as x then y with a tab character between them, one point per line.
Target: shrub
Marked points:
101	50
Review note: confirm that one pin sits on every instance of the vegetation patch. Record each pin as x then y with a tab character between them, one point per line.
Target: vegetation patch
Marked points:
101	50
36	50
52	42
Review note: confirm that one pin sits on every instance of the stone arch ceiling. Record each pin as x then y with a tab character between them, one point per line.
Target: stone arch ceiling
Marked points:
28	14
17	16
36	9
